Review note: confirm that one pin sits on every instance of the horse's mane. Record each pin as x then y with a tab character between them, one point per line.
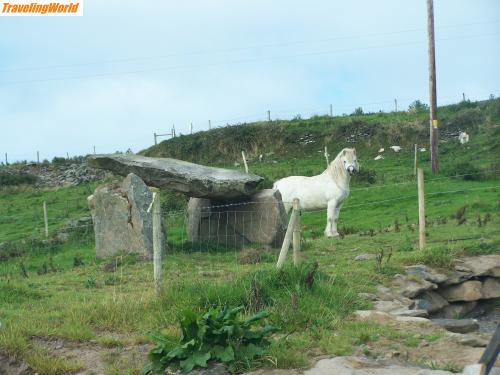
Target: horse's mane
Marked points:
336	169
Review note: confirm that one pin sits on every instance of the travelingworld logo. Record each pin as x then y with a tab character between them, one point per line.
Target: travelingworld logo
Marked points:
42	8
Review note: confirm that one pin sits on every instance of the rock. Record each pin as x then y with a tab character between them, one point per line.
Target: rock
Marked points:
426	273
472	340
467	291
366	366
249	256
365	256
384	293
259	219
191	179
431	301
457	277
420	313
389	306
456	310
412	287
483	265
121	220
458	325
490	288
384	317
61	237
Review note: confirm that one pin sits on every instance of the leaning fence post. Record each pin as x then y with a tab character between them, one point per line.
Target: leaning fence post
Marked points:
46	219
288	237
244	160
296	233
421	209
157	241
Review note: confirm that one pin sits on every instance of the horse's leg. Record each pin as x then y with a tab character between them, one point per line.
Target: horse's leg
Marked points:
336	214
331	227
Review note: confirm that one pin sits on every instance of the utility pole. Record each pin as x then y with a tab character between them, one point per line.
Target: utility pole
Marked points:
209	125
155	138
268	115
463	96
331	110
395	105
434	134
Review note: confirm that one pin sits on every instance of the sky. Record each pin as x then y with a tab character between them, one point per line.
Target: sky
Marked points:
128	69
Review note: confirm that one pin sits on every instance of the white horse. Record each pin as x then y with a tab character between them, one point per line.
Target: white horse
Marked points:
327	190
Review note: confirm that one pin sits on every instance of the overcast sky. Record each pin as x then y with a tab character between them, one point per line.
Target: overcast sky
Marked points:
127	69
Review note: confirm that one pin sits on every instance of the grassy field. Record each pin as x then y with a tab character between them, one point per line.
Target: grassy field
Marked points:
106	308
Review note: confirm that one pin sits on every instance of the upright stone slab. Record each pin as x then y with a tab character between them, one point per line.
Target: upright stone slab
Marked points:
121	220
259	219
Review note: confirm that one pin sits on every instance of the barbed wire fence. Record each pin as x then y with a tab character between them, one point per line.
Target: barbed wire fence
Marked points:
224	230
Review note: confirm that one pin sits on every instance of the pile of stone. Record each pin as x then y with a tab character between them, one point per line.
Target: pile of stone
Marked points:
445	297
65	175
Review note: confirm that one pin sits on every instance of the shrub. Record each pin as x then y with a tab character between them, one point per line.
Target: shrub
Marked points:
418	106
217	335
366	176
466	171
10	178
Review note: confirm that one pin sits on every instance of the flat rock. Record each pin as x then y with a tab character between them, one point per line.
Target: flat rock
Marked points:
412	287
483	265
458	325
490	288
365	366
467	291
389	306
414	313
191	179
470	339
368	296
431	301
426	273
457	277
366	256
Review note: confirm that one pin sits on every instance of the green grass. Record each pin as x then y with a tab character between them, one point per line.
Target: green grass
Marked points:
86	304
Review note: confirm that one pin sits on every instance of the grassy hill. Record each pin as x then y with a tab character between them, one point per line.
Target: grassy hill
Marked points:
58	299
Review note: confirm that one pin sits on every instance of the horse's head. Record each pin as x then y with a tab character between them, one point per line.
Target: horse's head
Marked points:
349	160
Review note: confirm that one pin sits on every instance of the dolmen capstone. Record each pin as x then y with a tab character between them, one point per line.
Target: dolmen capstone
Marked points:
122	223
225	206
192	179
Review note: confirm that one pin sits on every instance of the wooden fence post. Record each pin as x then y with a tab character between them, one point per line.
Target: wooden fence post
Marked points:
326	157
157	241
296	233
415	162
244	160
421	209
46	219
288	237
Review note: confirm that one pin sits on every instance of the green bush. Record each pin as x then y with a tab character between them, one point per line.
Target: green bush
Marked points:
11	178
366	176
218	335
466	171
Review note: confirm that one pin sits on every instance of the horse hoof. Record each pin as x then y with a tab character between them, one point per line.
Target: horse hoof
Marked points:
331	235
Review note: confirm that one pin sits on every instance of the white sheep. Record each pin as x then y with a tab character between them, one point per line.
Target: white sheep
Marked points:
396	148
463	137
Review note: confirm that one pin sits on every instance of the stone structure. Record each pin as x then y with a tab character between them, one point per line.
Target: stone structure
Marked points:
464	292
260	218
120	217
191	179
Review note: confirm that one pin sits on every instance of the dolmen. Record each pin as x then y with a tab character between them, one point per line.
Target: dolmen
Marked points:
226	207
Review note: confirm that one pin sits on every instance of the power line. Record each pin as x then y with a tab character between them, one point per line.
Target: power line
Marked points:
233	49
98	75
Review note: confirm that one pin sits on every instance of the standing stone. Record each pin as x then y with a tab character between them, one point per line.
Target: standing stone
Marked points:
121	220
260	219
468	291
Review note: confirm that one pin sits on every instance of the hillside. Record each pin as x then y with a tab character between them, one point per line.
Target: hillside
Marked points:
83	315
305	138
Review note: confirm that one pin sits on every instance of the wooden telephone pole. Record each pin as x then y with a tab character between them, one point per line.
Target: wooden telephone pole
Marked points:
434	134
